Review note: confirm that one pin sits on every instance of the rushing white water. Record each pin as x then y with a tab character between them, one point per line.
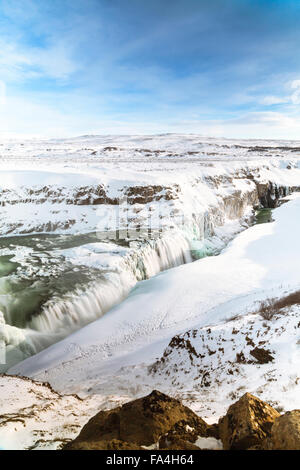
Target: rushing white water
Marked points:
84	306
61	314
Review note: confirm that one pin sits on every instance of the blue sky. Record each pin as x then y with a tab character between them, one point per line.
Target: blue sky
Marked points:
214	67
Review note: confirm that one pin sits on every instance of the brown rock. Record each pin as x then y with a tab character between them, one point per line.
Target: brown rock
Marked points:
179	444
141	422
263	356
247	423
285	433
114	444
149	193
184	434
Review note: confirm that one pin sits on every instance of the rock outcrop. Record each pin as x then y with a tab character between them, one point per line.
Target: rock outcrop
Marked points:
154	422
269	194
159	422
156	419
263	356
113	444
285	433
248	423
184	434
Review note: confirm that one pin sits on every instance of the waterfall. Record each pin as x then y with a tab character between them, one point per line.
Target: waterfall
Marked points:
60	316
63	314
83	306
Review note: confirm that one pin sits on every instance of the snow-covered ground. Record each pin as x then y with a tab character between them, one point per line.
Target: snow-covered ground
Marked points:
34	416
125	353
60	185
116	356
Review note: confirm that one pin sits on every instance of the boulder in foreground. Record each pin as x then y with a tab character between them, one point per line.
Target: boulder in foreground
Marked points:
142	422
247	424
158	421
285	433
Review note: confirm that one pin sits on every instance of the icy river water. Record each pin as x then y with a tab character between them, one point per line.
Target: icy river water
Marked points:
52	285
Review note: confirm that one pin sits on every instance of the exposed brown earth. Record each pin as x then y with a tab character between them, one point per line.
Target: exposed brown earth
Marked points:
263	356
271	307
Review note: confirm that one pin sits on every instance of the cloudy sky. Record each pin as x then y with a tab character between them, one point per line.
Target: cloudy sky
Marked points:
214	67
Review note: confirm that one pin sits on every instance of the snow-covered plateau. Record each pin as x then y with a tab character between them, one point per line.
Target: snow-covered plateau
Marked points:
129	264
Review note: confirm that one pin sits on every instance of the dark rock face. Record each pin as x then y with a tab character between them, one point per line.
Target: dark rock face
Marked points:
82	196
185	433
269	194
88	195
248	423
114	444
263	356
141	422
145	194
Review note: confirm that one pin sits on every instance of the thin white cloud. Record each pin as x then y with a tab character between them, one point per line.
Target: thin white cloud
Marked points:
271	100
18	63
295	97
25	117
292	98
262	125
